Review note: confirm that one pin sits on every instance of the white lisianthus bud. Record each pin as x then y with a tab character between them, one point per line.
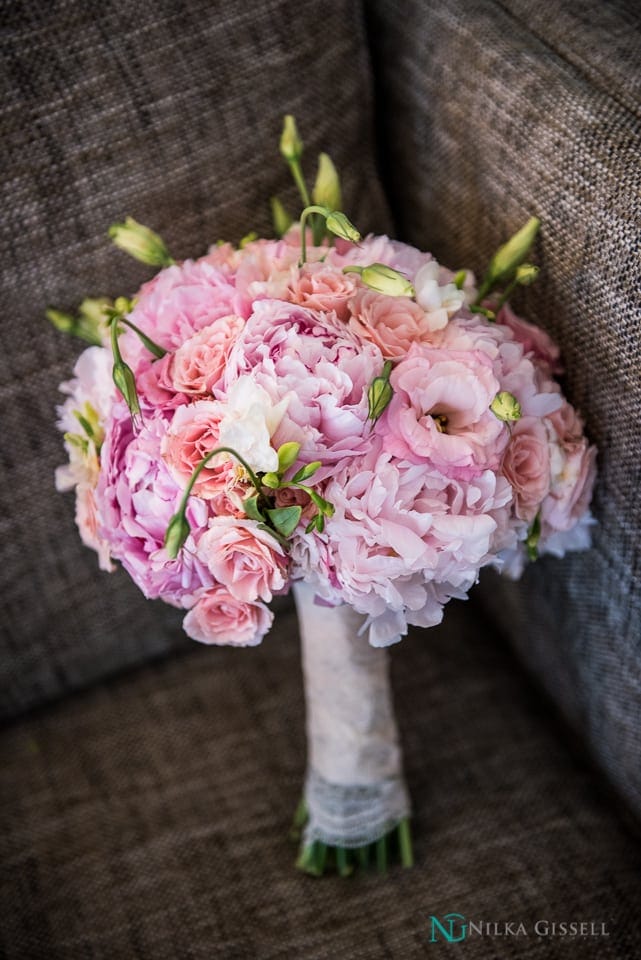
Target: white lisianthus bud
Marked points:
439	302
327	188
506	407
291	145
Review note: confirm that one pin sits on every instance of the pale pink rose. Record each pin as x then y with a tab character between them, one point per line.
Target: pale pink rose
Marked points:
535	341
573	466
249	561
193	433
440	413
526	464
198	364
265	266
218	617
321	287
392	323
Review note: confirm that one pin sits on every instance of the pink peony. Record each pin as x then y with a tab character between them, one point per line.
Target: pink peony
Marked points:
218	617
440	412
136	498
392	323
249	561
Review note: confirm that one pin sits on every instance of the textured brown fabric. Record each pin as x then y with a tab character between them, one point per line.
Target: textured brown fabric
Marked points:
489	113
148	818
170	112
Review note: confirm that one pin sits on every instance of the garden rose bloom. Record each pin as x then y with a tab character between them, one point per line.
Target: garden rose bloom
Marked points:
193	433
320	287
198	364
440	412
526	464
392	323
218	617
249	561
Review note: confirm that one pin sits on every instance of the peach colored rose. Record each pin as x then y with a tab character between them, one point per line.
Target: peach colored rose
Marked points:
198	364
526	464
319	287
219	617
392	323
193	433
249	561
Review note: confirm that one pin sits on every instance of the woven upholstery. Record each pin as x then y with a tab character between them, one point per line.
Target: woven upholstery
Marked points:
489	113
148	818
170	112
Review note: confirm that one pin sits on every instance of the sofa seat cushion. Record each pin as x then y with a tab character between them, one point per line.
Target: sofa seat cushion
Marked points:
148	817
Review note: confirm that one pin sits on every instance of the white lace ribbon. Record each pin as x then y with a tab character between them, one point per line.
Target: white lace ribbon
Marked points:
355	789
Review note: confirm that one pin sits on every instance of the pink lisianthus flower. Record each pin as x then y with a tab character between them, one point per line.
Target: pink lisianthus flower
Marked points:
526	464
219	617
392	323
317	286
249	561
440	414
136	498
194	432
312	361
573	471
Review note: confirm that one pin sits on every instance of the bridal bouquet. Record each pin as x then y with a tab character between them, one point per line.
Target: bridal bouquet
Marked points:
337	413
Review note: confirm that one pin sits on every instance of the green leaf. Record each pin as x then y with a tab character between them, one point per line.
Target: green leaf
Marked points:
251	508
323	505
285	519
306	472
287	455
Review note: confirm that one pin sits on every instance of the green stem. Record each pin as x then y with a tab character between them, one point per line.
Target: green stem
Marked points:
299	180
153	347
405	843
203	463
309	209
381	854
506	294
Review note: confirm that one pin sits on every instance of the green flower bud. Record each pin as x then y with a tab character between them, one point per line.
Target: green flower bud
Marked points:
280	218
140	242
248	238
380	393
526	274
291	145
338	224
383	279
61	321
459	279
327	188
124	379
176	534
271	480
506	407
287	455
510	255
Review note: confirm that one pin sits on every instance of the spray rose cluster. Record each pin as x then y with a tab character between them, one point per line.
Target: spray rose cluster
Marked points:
383	440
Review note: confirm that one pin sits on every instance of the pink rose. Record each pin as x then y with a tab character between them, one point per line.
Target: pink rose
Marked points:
440	412
526	464
192	434
219	617
199	363
573	466
320	287
249	561
392	323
